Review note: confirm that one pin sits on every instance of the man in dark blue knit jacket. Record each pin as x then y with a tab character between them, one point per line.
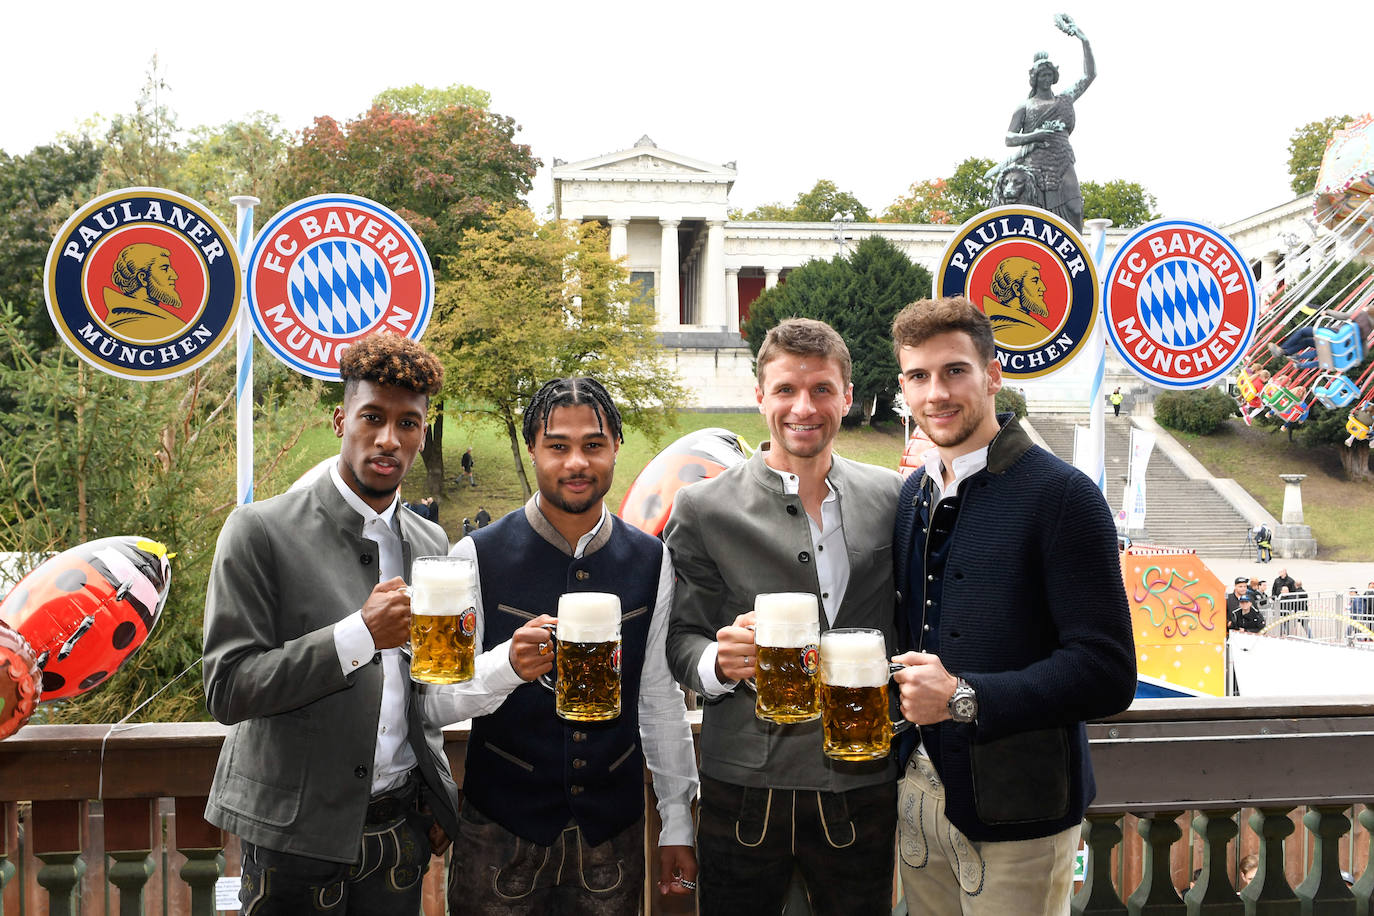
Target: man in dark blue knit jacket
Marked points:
1016	630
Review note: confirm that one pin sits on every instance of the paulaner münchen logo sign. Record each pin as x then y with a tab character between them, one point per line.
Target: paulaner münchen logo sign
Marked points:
143	283
1028	271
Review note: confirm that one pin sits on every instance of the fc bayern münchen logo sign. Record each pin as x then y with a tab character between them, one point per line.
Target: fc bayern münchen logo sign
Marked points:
330	269
143	283
1181	304
1028	271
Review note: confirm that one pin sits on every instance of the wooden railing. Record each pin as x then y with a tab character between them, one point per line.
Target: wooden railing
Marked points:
1182	785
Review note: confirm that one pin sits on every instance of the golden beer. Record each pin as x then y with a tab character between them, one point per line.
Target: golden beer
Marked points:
443	620
786	628
855	722
588	685
587	681
443	653
854	713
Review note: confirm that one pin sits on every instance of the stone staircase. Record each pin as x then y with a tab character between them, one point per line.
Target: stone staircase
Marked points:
1181	512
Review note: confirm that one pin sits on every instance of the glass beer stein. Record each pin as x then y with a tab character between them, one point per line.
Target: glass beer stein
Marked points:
786	631
443	619
586	669
854	713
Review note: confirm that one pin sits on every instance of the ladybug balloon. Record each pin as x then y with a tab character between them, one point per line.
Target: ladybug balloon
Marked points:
696	456
86	610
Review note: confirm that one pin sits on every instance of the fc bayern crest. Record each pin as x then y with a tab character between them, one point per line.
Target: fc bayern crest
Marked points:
143	283
1181	304
330	269
1028	271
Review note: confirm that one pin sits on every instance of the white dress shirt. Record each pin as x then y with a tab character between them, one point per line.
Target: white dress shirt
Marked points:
964	467
664	734
393	756
832	571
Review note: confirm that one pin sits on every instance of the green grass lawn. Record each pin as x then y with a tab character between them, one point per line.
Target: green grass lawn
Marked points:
498	484
1340	511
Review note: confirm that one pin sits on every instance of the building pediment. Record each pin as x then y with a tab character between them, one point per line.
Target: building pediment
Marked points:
644	162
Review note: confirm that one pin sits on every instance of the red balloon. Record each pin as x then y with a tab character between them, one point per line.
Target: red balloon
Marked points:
696	456
86	610
19	681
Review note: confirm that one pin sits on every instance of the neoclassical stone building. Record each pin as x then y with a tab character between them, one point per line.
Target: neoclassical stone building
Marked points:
668	216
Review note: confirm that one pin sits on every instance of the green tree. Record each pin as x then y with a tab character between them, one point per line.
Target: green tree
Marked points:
525	301
941	201
858	295
1126	203
817	205
38	191
85	455
142	146
443	172
1306	146
237	157
416	99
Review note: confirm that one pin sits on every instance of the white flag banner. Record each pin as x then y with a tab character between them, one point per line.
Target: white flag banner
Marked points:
1085	451
1133	503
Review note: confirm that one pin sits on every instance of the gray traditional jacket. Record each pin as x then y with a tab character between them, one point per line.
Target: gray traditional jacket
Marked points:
295	772
738	535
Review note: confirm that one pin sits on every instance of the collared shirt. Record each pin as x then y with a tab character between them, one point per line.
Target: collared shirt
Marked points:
664	734
832	572
393	757
965	466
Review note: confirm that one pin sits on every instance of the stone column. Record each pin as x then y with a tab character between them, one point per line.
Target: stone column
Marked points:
713	276
732	299
770	277
1269	264
669	293
620	238
1293	539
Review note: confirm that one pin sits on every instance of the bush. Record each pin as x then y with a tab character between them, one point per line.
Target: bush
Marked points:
1201	412
1010	401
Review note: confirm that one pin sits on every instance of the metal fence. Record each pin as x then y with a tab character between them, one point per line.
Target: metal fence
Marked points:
1331	618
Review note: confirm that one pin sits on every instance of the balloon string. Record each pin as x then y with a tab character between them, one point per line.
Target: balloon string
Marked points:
100	785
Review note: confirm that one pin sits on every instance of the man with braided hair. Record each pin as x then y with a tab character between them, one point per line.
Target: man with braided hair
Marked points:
331	776
553	814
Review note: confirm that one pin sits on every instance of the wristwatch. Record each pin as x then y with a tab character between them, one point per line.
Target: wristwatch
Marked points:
963	705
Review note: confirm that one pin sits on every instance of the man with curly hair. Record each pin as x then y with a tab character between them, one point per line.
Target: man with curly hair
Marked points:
333	779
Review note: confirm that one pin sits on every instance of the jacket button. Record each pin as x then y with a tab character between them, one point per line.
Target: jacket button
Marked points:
930	577
579	763
579	736
575	790
376	658
791	510
360	772
583	574
365	559
804	557
926	628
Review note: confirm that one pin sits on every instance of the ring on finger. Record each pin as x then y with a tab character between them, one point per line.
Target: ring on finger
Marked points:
543	648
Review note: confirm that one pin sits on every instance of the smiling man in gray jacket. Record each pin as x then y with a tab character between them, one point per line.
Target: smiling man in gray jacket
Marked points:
794	518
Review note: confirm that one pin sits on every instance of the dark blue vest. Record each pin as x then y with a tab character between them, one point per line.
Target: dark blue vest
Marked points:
527	769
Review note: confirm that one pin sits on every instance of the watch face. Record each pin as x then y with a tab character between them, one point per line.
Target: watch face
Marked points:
965	708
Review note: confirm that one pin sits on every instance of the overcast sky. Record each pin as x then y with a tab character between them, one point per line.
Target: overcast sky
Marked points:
1195	100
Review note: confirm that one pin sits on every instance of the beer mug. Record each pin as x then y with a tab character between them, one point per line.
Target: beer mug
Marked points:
786	630
443	619
854	676
586	668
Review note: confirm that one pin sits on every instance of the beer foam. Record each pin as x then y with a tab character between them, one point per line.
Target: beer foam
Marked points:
785	607
588	617
442	585
854	659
